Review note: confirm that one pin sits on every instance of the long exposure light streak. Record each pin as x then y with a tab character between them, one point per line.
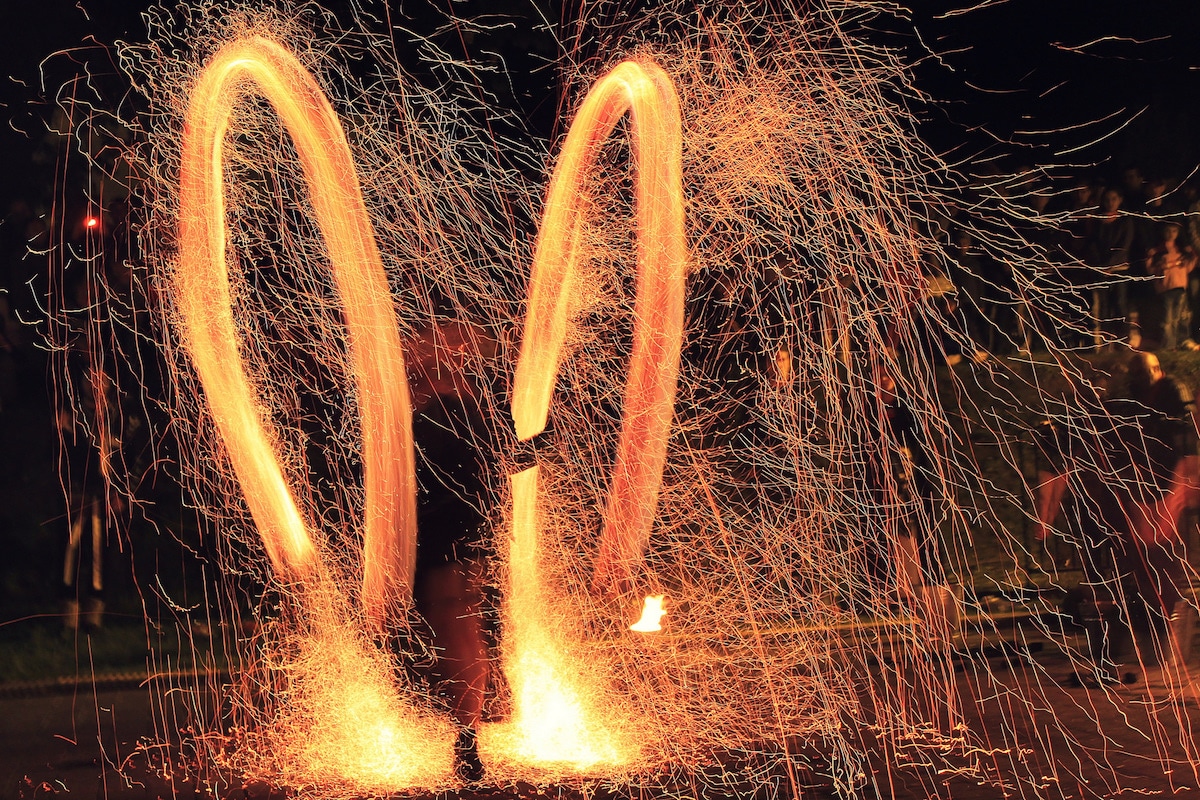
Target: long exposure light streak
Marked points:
553	715
646	92
343	720
206	313
557	716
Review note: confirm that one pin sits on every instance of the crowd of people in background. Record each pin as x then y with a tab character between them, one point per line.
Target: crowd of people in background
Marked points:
1106	259
1090	263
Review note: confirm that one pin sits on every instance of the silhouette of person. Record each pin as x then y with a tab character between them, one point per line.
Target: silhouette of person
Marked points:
1170	261
454	468
85	464
1107	250
1128	466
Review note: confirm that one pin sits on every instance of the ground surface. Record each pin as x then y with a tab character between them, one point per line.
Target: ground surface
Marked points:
81	742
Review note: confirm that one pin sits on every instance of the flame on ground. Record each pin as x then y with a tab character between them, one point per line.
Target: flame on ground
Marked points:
565	716
565	712
652	614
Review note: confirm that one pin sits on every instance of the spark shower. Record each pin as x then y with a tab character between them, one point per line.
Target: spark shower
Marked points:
708	297
554	720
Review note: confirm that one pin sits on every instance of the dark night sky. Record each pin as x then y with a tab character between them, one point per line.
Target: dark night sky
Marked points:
29	33
43	43
1009	67
1025	66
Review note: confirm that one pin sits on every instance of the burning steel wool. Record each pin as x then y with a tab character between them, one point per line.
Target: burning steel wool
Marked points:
722	384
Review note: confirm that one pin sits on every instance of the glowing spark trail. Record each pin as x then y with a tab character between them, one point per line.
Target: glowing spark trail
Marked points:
206	310
343	720
549	706
647	93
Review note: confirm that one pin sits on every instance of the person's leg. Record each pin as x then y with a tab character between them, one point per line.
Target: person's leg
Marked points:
1120	610
452	604
1164	575
1180	314
94	607
1172	301
71	565
450	599
1120	310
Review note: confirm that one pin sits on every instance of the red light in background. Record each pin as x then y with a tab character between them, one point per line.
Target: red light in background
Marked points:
92	222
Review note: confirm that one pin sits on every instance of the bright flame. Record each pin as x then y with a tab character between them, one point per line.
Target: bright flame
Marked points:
206	314
652	614
563	712
561	715
91	222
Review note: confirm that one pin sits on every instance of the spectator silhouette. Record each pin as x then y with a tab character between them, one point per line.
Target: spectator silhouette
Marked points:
1107	251
1169	262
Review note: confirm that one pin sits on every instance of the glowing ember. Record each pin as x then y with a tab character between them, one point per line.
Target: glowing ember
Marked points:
652	614
343	723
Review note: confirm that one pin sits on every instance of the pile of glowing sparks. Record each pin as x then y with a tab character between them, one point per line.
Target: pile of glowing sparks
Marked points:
557	717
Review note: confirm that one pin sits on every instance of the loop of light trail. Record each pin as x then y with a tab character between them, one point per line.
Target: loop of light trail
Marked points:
206	312
344	720
646	92
559	715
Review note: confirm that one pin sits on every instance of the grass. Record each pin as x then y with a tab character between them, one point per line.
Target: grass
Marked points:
43	650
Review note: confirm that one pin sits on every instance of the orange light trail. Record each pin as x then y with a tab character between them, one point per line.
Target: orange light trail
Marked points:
341	719
561	715
206	314
645	91
653	610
